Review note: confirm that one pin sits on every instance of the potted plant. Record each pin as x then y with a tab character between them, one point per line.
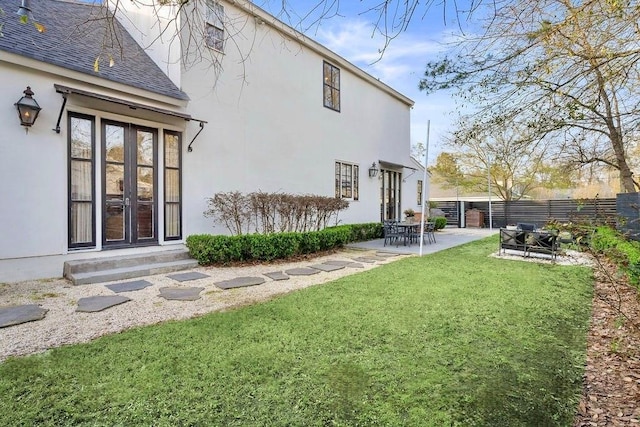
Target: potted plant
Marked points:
409	213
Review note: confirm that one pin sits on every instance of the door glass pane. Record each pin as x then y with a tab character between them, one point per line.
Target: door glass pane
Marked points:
114	182
171	151
81	182
145	184
145	148
172	220
114	137
145	221
114	222
81	138
81	222
172	185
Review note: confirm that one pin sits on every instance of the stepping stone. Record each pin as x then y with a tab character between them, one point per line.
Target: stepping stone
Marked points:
376	257
16	314
180	294
185	277
368	260
386	254
354	265
349	264
327	267
302	271
99	303
336	262
277	275
136	285
240	282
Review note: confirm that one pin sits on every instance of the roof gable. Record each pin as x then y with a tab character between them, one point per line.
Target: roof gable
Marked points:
76	34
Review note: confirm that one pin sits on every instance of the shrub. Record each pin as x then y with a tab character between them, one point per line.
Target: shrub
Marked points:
622	251
440	222
271	212
208	249
368	231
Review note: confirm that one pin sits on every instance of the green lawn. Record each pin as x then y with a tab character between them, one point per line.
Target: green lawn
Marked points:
453	338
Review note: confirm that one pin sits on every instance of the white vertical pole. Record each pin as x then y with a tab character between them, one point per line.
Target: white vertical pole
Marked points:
425	193
489	184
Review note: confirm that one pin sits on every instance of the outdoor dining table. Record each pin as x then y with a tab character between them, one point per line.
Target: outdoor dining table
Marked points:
408	229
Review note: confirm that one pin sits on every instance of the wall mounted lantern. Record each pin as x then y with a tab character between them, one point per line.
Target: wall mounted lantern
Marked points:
373	170
28	108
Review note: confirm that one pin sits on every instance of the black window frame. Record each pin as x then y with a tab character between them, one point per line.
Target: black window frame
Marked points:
70	201
328	84
354	184
180	196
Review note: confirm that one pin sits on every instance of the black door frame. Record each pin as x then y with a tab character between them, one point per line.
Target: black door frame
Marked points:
129	184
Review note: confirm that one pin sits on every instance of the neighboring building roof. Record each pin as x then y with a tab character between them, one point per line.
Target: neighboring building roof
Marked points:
75	35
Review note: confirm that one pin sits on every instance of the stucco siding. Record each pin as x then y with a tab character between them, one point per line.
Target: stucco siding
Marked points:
268	129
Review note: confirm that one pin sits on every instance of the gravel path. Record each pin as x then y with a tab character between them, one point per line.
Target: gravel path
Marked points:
63	325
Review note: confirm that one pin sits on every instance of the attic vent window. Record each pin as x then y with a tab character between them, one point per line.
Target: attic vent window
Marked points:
214	30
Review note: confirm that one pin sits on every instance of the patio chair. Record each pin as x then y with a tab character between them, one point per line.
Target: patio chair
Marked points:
429	233
523	226
391	232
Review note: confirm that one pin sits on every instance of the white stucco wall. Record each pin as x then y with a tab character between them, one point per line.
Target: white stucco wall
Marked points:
154	27
33	190
33	164
268	129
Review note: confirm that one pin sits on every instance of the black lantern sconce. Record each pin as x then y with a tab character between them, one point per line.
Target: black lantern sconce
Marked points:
28	109
373	170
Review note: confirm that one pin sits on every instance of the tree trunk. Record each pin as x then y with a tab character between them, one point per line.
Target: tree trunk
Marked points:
626	176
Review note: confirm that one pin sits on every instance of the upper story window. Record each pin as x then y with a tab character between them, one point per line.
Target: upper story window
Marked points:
331	86
347	183
214	35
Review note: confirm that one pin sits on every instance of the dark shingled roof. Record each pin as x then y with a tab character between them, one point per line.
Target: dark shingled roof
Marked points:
75	35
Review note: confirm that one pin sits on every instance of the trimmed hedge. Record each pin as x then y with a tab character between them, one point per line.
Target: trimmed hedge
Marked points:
208	249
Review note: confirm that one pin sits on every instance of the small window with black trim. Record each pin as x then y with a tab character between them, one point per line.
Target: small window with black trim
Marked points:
347	181
331	86
214	28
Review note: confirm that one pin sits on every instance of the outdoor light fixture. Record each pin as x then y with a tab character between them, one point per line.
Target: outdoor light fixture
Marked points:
28	108
373	170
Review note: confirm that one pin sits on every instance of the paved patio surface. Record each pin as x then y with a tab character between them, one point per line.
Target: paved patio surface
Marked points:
445	239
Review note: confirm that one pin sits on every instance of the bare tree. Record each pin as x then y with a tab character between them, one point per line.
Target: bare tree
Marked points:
514	164
565	71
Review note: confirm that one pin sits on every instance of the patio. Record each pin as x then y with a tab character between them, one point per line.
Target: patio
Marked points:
445	239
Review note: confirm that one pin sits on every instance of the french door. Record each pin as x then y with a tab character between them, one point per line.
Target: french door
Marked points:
129	189
390	195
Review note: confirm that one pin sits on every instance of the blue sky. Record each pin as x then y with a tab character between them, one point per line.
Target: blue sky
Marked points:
349	32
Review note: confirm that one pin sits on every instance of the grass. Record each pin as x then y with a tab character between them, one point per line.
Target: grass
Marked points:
453	338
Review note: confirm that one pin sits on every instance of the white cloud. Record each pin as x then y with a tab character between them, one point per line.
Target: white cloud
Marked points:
404	58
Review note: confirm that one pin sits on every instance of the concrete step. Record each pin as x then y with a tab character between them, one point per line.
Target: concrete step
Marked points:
106	269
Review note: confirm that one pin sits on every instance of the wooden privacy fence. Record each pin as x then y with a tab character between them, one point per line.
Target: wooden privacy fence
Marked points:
542	211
